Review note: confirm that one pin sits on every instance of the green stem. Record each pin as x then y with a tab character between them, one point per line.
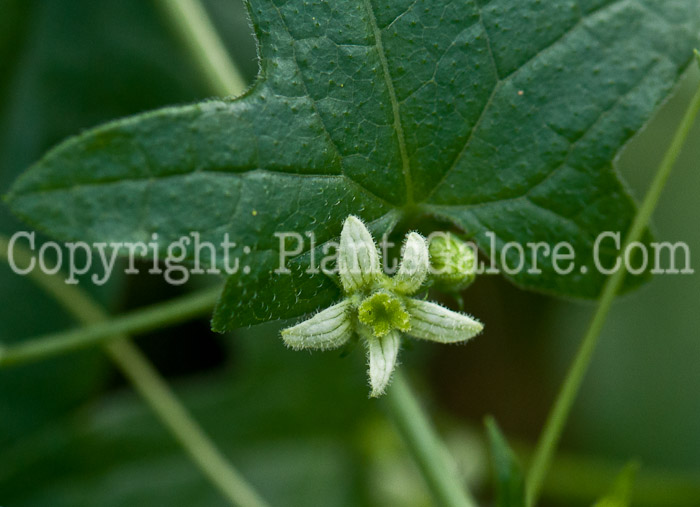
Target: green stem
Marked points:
425	446
556	420
98	329
132	363
191	23
196	31
175	416
181	13
193	26
100	332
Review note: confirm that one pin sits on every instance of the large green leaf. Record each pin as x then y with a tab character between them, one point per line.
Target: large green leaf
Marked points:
499	116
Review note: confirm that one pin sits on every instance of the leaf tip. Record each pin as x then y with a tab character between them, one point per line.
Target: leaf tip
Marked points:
220	322
493	430
507	473
622	489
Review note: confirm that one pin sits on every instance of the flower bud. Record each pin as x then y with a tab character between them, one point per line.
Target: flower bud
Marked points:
452	262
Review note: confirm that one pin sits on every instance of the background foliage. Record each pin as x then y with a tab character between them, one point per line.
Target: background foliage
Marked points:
71	434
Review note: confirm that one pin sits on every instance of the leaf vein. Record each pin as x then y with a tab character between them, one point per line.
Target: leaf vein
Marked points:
527	194
394	102
318	114
410	7
568	32
467	143
507	77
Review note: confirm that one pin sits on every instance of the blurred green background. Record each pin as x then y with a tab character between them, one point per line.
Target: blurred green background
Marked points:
300	426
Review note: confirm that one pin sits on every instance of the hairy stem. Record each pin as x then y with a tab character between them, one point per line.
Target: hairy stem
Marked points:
191	23
556	420
425	446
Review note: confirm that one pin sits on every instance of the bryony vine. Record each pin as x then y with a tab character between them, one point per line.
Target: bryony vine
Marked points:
378	309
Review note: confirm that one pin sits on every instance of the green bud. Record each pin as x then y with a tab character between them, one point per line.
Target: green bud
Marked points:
452	262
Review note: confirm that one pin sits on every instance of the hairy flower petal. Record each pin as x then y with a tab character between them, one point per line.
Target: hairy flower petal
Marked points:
382	354
328	329
430	321
414	264
358	258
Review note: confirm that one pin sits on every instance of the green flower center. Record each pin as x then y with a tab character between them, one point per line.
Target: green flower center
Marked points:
383	312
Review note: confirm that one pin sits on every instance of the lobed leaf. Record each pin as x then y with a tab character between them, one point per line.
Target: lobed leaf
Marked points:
502	116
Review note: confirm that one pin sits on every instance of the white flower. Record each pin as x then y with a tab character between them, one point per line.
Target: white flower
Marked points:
378	308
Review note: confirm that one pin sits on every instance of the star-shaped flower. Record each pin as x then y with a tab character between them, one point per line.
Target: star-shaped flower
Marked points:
379	308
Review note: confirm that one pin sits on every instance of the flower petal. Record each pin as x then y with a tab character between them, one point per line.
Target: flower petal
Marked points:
430	321
415	262
382	354
358	258
328	329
